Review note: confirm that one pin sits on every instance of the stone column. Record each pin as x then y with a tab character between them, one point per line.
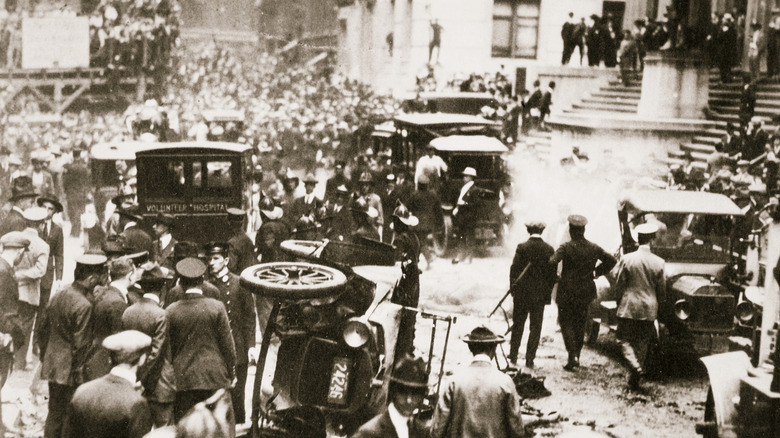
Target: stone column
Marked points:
674	85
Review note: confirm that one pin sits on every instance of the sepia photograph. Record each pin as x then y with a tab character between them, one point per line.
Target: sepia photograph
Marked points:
389	218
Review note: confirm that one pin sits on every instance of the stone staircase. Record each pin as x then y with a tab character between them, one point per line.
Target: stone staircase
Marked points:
612	98
724	108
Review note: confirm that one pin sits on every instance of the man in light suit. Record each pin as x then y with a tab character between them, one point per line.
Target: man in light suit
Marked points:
478	389
408	387
202	348
109	407
640	286
28	277
531	292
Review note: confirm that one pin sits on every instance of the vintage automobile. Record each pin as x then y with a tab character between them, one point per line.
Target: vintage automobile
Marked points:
196	182
462	141
449	102
695	239
744	392
336	332
106	160
223	124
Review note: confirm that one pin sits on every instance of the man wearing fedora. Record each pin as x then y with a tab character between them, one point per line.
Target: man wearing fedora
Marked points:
582	261
52	235
22	197
639	287
240	307
477	390
164	242
408	388
464	216
110	406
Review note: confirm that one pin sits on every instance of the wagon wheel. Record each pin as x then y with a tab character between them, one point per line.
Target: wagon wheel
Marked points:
442	241
293	281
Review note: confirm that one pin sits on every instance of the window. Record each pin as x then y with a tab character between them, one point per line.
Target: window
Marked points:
515	28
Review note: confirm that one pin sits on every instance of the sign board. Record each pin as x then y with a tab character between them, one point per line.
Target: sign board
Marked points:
55	42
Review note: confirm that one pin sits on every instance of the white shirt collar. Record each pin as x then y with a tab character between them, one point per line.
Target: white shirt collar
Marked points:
400	422
121	288
124	373
482	358
645	247
152	297
535	236
165	239
194	290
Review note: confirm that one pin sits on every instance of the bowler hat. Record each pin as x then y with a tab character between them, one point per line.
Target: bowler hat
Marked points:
114	245
166	219
14	239
191	267
410	372
153	280
52	198
184	249
22	188
309	179
482	335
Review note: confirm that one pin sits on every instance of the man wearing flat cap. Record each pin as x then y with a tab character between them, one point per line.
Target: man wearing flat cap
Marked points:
240	308
156	374
11	334
202	348
66	335
407	391
109	407
477	390
531	280
639	287
28	275
582	262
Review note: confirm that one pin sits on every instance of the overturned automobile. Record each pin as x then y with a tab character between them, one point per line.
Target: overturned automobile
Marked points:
696	239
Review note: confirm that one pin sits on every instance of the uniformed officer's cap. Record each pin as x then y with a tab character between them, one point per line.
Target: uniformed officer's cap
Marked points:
577	220
14	239
236	214
191	268
35	214
217	248
91	263
166	219
127	342
646	229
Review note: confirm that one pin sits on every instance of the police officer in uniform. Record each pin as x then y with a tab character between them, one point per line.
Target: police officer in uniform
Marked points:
241	313
582	262
407	293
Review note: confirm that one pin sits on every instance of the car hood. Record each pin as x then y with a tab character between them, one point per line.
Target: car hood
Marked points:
675	269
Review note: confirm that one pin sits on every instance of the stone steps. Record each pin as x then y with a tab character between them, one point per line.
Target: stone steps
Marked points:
613	101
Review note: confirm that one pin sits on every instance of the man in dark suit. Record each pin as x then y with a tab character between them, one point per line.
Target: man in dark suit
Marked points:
306	205
164	242
582	262
176	293
11	333
66	335
408	384
110	303
338	179
242	250
240	308
202	348
546	104
425	204
76	182
22	198
156	374
51	234
475	391
531	279
109	407
533	105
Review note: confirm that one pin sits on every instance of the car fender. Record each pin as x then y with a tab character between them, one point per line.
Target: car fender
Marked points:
726	370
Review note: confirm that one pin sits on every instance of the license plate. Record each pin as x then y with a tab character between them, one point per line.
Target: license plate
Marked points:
339	381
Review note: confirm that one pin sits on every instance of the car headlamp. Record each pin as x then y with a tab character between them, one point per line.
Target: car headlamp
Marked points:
356	332
745	312
683	309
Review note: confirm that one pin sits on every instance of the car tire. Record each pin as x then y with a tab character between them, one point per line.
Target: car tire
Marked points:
293	280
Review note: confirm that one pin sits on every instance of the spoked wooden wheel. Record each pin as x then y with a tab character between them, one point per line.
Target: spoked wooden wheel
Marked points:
293	280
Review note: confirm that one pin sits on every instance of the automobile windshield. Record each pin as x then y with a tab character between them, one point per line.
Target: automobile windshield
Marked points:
687	237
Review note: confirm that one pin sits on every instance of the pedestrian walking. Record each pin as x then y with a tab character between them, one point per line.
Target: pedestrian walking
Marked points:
582	261
531	279
639	287
479	401
66	335
110	407
464	216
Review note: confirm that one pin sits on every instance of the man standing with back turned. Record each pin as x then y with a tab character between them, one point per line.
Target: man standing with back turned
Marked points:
640	286
576	288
